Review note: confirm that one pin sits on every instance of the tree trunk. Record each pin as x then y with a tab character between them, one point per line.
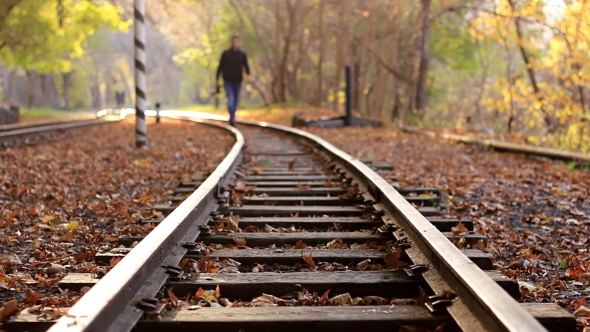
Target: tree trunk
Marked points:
32	76
320	94
67	84
342	49
49	89
531	72
421	101
95	93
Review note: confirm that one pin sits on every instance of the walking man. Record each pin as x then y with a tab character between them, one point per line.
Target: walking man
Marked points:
232	65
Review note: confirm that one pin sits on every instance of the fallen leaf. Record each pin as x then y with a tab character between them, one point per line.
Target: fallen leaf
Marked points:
68	236
300	245
9	309
303	186
266	300
392	259
308	260
31	296
10	258
342	299
375	300
240	242
335	244
292	164
582	311
459	228
54	269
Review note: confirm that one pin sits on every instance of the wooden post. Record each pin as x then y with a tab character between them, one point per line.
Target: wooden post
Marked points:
348	92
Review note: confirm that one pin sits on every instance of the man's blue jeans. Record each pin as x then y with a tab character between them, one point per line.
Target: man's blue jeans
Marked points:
232	89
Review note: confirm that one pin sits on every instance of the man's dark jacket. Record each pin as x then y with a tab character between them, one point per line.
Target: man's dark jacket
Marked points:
232	65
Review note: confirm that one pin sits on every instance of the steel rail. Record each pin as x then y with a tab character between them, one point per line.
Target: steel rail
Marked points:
109	305
25	125
18	134
505	146
491	305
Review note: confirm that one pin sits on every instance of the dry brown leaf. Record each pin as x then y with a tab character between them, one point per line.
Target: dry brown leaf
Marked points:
115	261
582	311
266	300
308	260
173	298
342	299
68	236
335	244
303	186
292	164
10	258
31	296
459	228
363	265
9	309
375	300
392	259
300	245
240	242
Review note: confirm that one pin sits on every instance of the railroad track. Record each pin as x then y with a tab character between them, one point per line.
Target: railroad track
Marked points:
320	241
36	132
583	159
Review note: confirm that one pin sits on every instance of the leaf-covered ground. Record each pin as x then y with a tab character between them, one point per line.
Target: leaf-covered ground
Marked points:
536	211
62	202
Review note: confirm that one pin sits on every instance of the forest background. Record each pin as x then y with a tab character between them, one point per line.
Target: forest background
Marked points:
514	66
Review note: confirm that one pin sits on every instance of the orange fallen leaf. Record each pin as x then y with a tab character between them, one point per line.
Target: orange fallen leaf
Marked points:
303	186
68	236
459	228
292	164
308	260
31	296
335	244
582	311
300	245
392	259
115	261
9	309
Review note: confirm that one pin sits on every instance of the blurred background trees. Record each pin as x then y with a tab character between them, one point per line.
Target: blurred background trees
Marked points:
515	66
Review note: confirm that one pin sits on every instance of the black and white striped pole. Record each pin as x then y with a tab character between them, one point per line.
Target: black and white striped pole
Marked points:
140	102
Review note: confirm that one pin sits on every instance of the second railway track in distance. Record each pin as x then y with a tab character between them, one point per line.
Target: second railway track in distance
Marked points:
292	234
42	132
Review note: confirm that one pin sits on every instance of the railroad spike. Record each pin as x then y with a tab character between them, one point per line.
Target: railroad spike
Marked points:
416	270
146	306
189	245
